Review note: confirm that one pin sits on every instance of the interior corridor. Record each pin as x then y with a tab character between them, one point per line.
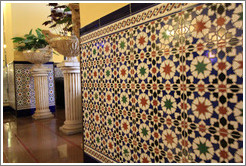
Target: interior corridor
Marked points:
26	140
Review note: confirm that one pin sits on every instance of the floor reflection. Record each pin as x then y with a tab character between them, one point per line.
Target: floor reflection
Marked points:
62	149
28	141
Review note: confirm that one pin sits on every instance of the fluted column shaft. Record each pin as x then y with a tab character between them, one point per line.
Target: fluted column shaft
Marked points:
72	90
40	74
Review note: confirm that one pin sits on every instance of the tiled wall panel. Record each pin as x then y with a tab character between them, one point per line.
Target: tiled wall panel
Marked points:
214	66
25	93
24	86
165	85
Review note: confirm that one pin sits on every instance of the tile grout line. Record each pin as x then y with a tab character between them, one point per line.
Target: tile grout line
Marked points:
27	149
47	128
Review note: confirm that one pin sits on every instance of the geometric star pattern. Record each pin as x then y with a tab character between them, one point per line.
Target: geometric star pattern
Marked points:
169	90
24	86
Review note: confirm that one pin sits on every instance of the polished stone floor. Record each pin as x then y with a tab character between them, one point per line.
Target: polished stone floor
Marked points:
26	140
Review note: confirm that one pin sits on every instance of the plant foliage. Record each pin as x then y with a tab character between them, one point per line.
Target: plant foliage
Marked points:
60	18
31	41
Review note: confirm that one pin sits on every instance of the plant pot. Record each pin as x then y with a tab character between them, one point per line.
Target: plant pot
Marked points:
39	56
68	46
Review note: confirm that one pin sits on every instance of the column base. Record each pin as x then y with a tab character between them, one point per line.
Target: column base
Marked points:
71	129
42	114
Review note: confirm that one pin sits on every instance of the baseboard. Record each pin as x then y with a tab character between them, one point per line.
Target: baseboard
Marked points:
29	112
9	109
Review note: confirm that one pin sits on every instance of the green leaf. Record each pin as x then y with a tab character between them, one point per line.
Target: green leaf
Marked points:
26	35
20	48
31	37
30	32
17	39
67	9
64	20
30	41
40	35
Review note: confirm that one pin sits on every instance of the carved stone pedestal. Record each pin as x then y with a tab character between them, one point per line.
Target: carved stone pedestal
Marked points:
72	90
40	74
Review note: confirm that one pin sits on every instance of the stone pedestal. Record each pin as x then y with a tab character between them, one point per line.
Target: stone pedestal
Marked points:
72	90
40	74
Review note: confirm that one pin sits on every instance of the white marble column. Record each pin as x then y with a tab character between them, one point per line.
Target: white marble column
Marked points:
72	92
40	74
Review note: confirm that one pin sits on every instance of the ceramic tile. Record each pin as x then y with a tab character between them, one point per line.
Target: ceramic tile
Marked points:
169	135
198	24
219	109
25	94
168	81
222	71
138	18
203	148
229	22
220	52
221	112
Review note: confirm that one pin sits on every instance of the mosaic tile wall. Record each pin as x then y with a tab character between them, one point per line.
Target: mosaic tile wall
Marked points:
165	85
24	85
11	86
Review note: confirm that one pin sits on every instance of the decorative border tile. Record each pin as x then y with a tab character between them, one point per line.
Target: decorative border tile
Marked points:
97	155
139	18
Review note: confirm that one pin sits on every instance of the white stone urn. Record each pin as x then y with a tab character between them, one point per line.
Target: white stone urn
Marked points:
39	56
40	74
68	46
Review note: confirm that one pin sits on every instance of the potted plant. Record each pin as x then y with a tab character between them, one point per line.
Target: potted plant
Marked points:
34	47
60	19
36	50
63	41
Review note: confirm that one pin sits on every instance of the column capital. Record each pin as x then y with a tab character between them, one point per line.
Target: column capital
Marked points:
69	64
69	67
36	71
